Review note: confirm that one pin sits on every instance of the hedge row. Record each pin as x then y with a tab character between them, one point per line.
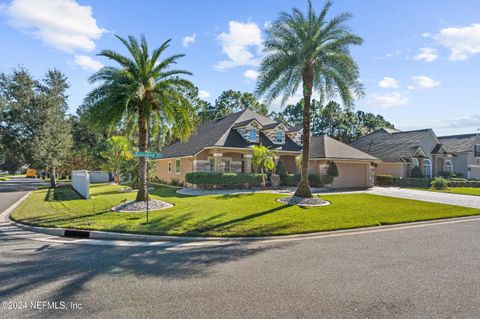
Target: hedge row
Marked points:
315	180
209	179
466	183
389	180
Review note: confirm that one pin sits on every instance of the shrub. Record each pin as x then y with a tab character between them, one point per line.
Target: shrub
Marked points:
290	179
332	170
416	172
439	183
411	182
313	179
383	180
219	179
280	168
326	179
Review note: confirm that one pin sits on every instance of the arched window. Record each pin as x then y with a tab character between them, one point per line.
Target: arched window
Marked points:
427	168
414	162
448	167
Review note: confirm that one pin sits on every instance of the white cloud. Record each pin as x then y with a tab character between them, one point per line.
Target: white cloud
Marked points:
242	45
388	82
426	35
189	39
463	42
427	55
250	74
203	94
87	63
388	100
267	25
425	82
62	24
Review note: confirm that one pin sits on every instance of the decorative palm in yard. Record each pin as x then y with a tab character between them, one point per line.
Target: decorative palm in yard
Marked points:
118	150
310	52
144	88
263	159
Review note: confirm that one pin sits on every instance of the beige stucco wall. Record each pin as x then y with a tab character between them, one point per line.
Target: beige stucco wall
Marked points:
394	169
350	174
161	168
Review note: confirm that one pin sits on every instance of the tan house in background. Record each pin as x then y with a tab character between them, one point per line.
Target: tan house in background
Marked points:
400	151
225	145
466	151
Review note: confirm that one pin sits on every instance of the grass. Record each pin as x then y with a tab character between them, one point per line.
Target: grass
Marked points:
223	215
4	179
459	190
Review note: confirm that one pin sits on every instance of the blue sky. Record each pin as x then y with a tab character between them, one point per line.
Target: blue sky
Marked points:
420	61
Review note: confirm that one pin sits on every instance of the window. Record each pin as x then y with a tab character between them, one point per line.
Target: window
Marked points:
177	166
414	162
279	137
226	165
253	134
212	164
427	168
169	167
477	150
448	166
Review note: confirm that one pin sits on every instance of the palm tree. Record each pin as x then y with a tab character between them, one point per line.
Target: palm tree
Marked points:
263	159
143	89
306	49
118	150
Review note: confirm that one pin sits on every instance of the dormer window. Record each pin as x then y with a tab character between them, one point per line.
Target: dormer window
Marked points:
253	135
279	137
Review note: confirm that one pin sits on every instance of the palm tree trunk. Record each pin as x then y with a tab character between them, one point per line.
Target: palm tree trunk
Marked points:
142	166
53	180
303	187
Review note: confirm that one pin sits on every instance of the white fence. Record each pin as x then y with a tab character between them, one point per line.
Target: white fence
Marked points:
99	177
81	183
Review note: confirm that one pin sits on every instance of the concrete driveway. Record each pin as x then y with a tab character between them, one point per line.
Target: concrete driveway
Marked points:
426	196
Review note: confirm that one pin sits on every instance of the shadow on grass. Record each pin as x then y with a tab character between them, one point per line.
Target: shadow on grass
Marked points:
61	193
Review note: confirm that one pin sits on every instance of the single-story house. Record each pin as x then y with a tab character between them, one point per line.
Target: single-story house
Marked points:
225	145
466	151
400	151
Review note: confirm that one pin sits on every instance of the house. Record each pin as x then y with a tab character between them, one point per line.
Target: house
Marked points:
466	151
400	151
225	145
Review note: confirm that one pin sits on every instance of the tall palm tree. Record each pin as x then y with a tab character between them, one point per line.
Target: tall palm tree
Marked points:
306	49
145	89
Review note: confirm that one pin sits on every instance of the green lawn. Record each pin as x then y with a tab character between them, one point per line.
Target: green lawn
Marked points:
460	190
223	215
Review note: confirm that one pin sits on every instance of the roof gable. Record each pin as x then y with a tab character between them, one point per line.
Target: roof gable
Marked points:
391	146
324	146
460	143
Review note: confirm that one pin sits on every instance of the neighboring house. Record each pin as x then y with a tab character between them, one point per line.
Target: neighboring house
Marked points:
466	151
400	151
225	145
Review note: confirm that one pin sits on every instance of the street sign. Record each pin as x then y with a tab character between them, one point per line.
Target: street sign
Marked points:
147	154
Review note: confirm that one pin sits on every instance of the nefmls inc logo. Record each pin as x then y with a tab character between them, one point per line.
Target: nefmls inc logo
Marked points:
49	305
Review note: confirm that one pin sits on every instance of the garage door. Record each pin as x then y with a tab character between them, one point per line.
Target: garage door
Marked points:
351	175
475	172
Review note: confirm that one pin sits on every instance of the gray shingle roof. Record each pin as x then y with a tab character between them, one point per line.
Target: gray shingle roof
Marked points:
390	145
459	143
326	147
219	133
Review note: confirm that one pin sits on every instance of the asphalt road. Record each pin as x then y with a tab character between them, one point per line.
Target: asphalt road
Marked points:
427	272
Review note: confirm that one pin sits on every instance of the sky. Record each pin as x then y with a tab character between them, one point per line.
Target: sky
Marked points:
420	61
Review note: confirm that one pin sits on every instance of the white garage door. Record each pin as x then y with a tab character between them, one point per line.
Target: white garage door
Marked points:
351	175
